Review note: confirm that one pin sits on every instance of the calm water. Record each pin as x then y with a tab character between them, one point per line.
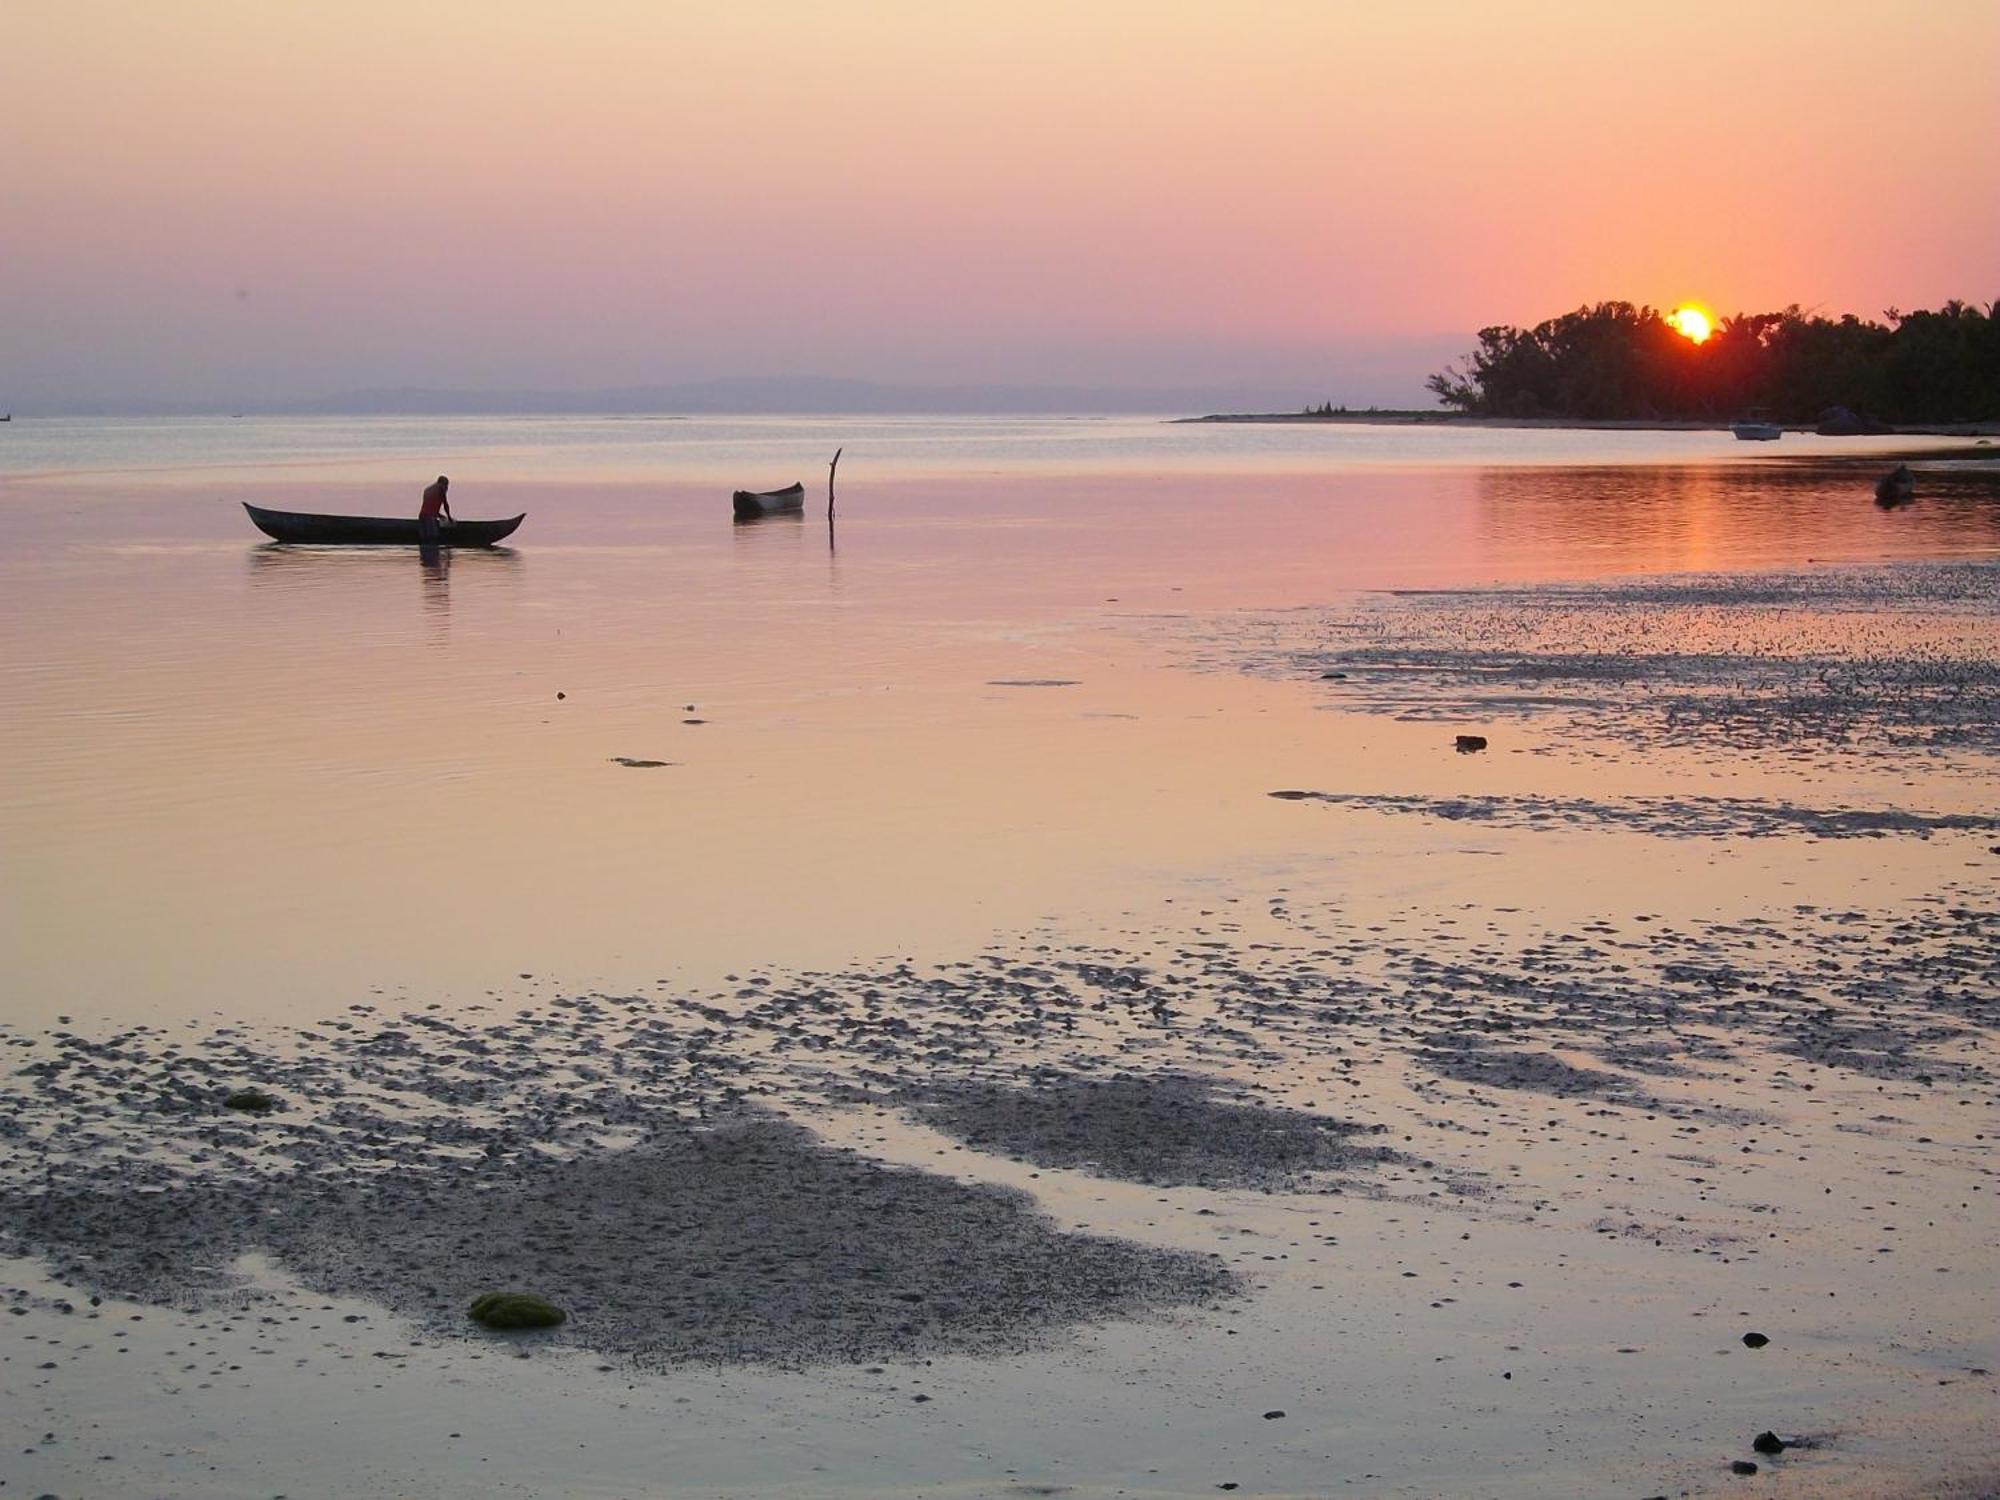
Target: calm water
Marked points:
250	779
733	450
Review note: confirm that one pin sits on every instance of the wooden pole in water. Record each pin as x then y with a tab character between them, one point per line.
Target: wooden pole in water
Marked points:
829	480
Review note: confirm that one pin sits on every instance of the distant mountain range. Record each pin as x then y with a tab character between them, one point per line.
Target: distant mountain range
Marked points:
754	395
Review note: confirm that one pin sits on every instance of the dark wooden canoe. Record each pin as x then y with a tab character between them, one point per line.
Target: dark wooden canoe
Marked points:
374	531
753	503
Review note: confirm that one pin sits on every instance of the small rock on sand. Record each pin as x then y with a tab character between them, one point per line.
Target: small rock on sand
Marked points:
510	1310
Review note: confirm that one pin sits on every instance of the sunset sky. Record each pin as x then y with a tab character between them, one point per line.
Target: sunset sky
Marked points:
211	201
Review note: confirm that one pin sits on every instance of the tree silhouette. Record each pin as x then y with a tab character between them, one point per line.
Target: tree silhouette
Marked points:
1615	361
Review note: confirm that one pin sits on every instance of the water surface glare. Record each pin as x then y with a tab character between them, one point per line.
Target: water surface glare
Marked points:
263	780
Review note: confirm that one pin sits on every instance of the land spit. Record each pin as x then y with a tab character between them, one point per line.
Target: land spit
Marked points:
1868	664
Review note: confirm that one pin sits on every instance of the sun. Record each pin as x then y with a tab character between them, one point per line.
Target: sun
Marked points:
1691	323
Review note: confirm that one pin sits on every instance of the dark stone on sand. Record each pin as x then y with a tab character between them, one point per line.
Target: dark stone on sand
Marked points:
1467	744
1742	1466
1332	676
1272	1416
255	1101
1768	1442
1754	1341
510	1310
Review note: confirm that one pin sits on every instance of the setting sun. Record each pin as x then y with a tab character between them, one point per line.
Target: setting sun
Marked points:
1692	323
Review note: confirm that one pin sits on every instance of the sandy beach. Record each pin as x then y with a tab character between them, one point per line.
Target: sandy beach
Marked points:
1020	994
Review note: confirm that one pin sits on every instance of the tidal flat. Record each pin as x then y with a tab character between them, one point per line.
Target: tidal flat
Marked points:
1066	1020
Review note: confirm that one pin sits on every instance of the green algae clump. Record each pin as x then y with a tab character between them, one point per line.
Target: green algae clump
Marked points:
256	1101
506	1310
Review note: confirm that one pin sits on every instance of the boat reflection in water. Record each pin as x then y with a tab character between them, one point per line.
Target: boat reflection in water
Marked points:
362	590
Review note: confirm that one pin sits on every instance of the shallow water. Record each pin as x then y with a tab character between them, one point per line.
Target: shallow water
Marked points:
733	451
1088	792
256	779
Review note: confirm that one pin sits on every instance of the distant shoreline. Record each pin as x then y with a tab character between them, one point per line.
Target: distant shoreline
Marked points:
1401	418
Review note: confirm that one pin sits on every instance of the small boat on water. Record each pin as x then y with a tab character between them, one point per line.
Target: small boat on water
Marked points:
753	503
1897	487
374	531
1757	432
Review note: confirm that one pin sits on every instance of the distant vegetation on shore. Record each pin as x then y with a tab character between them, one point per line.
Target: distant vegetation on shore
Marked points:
1616	361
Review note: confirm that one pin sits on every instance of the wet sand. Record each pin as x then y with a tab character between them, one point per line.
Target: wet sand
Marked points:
1581	1161
1298	1107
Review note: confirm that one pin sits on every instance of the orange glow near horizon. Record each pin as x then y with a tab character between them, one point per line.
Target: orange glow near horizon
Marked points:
1692	323
496	193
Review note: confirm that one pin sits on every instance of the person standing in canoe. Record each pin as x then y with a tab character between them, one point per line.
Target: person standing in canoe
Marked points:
435	503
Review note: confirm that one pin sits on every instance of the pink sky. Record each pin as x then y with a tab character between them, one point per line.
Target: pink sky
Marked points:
224	200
